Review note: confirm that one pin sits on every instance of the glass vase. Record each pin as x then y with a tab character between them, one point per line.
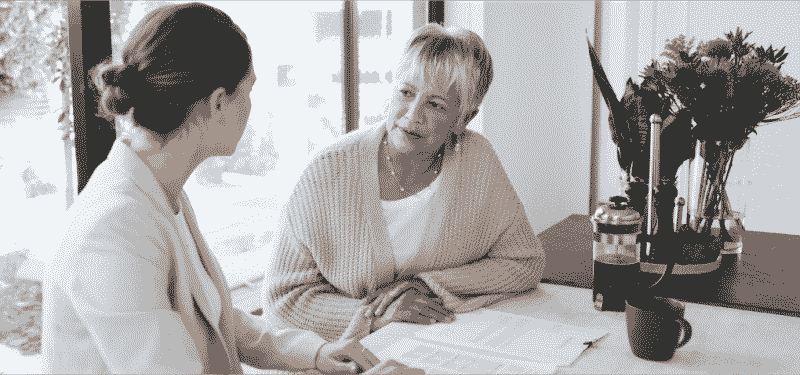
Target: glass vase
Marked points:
710	214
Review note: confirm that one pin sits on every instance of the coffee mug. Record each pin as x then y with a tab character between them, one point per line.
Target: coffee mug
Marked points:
656	327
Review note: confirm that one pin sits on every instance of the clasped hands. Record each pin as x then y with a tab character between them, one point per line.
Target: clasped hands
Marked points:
409	301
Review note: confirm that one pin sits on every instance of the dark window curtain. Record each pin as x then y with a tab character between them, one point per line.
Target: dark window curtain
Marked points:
90	44
436	12
350	65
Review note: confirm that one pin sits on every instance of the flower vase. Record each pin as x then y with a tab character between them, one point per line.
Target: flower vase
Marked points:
714	224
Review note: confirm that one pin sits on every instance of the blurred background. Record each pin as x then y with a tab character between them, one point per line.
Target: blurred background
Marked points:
538	113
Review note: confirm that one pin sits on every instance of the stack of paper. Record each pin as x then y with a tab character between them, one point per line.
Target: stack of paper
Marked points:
438	359
484	342
532	339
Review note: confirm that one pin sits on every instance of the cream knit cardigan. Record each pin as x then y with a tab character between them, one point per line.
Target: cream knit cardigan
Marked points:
332	250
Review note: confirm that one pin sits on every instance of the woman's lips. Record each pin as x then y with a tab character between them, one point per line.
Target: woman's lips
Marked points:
410	134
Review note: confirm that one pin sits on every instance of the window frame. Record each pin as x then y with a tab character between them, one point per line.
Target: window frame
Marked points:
94	46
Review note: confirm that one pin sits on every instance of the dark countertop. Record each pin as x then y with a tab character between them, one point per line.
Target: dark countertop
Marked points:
765	277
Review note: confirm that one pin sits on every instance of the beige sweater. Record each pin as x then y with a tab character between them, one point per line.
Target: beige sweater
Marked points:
332	250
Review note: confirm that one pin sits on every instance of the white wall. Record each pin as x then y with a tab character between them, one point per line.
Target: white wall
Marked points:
537	113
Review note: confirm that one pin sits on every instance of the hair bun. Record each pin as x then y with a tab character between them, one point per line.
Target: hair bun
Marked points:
115	89
116	75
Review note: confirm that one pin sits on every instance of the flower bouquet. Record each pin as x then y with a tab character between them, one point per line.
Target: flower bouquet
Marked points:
730	87
712	96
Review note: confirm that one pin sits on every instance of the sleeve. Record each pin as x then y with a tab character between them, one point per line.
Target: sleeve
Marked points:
513	265
119	287
298	295
262	347
516	260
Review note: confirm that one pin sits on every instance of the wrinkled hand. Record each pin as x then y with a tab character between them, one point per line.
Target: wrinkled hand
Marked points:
347	355
387	297
394	368
413	307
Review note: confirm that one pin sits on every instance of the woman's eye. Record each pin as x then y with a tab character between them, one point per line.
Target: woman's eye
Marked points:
437	105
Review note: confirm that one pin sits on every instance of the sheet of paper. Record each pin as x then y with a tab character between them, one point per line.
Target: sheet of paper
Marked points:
532	339
438	359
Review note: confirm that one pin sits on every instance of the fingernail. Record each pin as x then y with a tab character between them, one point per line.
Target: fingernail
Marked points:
433	321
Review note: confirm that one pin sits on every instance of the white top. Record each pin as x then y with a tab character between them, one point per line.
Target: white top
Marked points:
406	219
208	285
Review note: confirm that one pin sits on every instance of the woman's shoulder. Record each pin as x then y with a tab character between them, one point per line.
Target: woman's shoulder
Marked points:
478	148
113	215
345	152
347	145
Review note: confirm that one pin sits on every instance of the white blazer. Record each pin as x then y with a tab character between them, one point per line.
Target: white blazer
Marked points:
123	296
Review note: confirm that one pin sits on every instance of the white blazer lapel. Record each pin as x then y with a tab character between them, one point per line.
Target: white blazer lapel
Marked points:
146	181
219	281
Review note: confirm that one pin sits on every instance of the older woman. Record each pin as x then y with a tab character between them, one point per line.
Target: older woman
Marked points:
134	288
415	217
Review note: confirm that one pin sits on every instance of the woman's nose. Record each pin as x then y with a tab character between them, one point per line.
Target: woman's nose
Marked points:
412	113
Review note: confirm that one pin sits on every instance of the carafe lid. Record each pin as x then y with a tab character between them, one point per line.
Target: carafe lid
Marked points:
617	213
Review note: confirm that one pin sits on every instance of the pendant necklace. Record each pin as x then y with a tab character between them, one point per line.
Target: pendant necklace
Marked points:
438	159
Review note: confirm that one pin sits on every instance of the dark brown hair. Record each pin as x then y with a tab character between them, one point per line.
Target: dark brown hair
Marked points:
175	57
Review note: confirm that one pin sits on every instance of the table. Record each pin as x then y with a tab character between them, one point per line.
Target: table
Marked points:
724	340
763	278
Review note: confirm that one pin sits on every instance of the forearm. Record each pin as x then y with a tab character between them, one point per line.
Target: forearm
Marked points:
487	276
264	347
316	307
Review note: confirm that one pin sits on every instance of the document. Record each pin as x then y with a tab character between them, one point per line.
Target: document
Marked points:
530	339
438	359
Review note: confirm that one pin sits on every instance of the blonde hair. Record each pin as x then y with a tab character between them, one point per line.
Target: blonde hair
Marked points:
456	55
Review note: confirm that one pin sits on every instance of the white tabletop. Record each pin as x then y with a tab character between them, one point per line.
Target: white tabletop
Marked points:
723	340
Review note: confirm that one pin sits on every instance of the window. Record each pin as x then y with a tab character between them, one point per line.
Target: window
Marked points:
36	164
384	28
297	110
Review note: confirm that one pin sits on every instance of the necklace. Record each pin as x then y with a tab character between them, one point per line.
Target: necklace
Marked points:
438	159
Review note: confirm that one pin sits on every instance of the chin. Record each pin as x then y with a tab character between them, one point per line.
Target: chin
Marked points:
224	150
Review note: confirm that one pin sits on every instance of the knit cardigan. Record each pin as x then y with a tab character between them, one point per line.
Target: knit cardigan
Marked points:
332	251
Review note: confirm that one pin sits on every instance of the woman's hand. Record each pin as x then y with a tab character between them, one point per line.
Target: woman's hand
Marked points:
394	368
386	298
413	307
347	355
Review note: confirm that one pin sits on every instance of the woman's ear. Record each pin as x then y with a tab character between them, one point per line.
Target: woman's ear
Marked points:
469	117
217	101
461	125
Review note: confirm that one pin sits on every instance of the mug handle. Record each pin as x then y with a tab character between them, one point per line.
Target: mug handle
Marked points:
686	328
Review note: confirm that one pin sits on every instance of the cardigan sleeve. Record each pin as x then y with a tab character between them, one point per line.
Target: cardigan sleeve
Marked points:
514	265
299	296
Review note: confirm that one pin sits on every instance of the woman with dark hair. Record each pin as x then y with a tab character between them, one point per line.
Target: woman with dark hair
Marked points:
134	287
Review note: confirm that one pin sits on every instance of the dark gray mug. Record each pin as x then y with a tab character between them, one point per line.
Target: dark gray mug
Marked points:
656	327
